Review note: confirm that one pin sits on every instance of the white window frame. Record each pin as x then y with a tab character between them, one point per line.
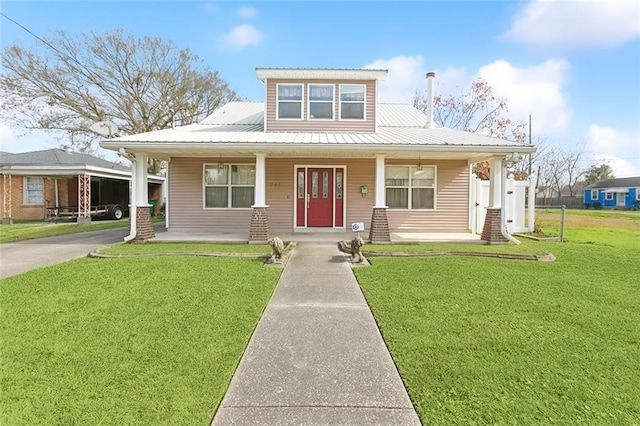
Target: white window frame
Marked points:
363	102
228	185
301	101
638	194
608	196
409	187
594	195
310	101
26	190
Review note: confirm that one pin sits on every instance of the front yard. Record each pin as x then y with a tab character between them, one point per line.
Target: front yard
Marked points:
490	341
155	340
127	341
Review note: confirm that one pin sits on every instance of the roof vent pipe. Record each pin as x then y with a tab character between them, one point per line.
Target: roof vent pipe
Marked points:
430	123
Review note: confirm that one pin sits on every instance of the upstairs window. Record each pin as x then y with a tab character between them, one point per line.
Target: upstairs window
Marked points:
320	102
33	190
352	98
409	187
289	101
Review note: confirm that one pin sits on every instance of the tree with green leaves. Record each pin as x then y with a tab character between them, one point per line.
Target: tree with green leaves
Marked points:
598	172
68	83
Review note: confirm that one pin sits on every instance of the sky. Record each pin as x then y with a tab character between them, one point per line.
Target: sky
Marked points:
573	66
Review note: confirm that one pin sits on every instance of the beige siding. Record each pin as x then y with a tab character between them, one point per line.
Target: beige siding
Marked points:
452	202
185	200
336	125
186	211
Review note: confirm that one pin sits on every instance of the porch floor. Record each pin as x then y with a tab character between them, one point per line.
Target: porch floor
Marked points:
164	235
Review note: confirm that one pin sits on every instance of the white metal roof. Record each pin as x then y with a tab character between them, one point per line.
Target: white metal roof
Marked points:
239	126
324	73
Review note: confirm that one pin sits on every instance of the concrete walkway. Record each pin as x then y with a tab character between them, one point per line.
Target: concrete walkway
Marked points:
316	356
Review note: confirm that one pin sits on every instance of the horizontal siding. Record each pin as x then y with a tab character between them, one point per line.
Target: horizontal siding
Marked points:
185	200
304	125
452	202
186	212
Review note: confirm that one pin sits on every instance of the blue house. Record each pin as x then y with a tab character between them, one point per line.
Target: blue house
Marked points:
623	193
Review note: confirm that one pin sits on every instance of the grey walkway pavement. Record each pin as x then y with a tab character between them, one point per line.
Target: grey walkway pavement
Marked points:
316	356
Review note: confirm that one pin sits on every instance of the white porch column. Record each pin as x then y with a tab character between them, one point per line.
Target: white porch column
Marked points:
140	181
495	183
260	196
381	195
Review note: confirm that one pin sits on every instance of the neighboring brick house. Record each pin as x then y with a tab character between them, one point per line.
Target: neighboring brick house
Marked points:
320	154
34	184
621	193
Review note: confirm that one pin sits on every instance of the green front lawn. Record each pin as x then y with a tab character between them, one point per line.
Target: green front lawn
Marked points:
490	341
127	341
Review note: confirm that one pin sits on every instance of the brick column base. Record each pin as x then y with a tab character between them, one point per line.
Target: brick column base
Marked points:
259	227
379	231
491	233
144	224
7	221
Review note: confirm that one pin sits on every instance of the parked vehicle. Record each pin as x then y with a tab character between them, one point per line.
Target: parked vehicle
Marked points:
111	211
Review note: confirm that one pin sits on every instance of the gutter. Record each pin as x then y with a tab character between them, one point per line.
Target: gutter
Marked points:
503	198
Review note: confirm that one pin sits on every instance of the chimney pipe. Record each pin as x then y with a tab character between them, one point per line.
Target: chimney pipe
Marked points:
430	123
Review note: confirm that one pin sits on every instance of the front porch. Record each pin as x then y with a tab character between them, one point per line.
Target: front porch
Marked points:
397	237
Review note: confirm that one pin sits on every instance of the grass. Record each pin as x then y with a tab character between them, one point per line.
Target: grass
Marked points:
126	341
490	341
151	247
27	231
22	230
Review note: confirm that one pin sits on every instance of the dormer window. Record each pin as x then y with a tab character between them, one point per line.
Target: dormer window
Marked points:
321	101
352	101
289	101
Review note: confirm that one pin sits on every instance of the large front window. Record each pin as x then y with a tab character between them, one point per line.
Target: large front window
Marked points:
229	185
352	100
289	101
409	187
33	192
320	102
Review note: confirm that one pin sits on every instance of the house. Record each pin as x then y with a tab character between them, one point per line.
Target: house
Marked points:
621	193
41	184
319	154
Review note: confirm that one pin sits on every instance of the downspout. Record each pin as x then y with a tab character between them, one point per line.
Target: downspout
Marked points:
132	203
503	203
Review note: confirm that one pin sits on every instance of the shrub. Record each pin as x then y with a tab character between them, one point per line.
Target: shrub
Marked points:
597	205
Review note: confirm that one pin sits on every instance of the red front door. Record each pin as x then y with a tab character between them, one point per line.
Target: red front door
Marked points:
319	197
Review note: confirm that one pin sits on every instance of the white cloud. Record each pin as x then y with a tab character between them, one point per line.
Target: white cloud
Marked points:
242	36
536	90
620	150
247	12
406	74
586	23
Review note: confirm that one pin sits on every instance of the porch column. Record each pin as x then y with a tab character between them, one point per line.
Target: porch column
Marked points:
84	198
379	229
492	230
259	226
143	222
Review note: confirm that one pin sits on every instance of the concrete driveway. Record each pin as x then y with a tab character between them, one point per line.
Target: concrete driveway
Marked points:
16	258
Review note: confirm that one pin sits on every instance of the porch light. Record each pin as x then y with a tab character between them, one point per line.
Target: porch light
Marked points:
220	164
419	168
